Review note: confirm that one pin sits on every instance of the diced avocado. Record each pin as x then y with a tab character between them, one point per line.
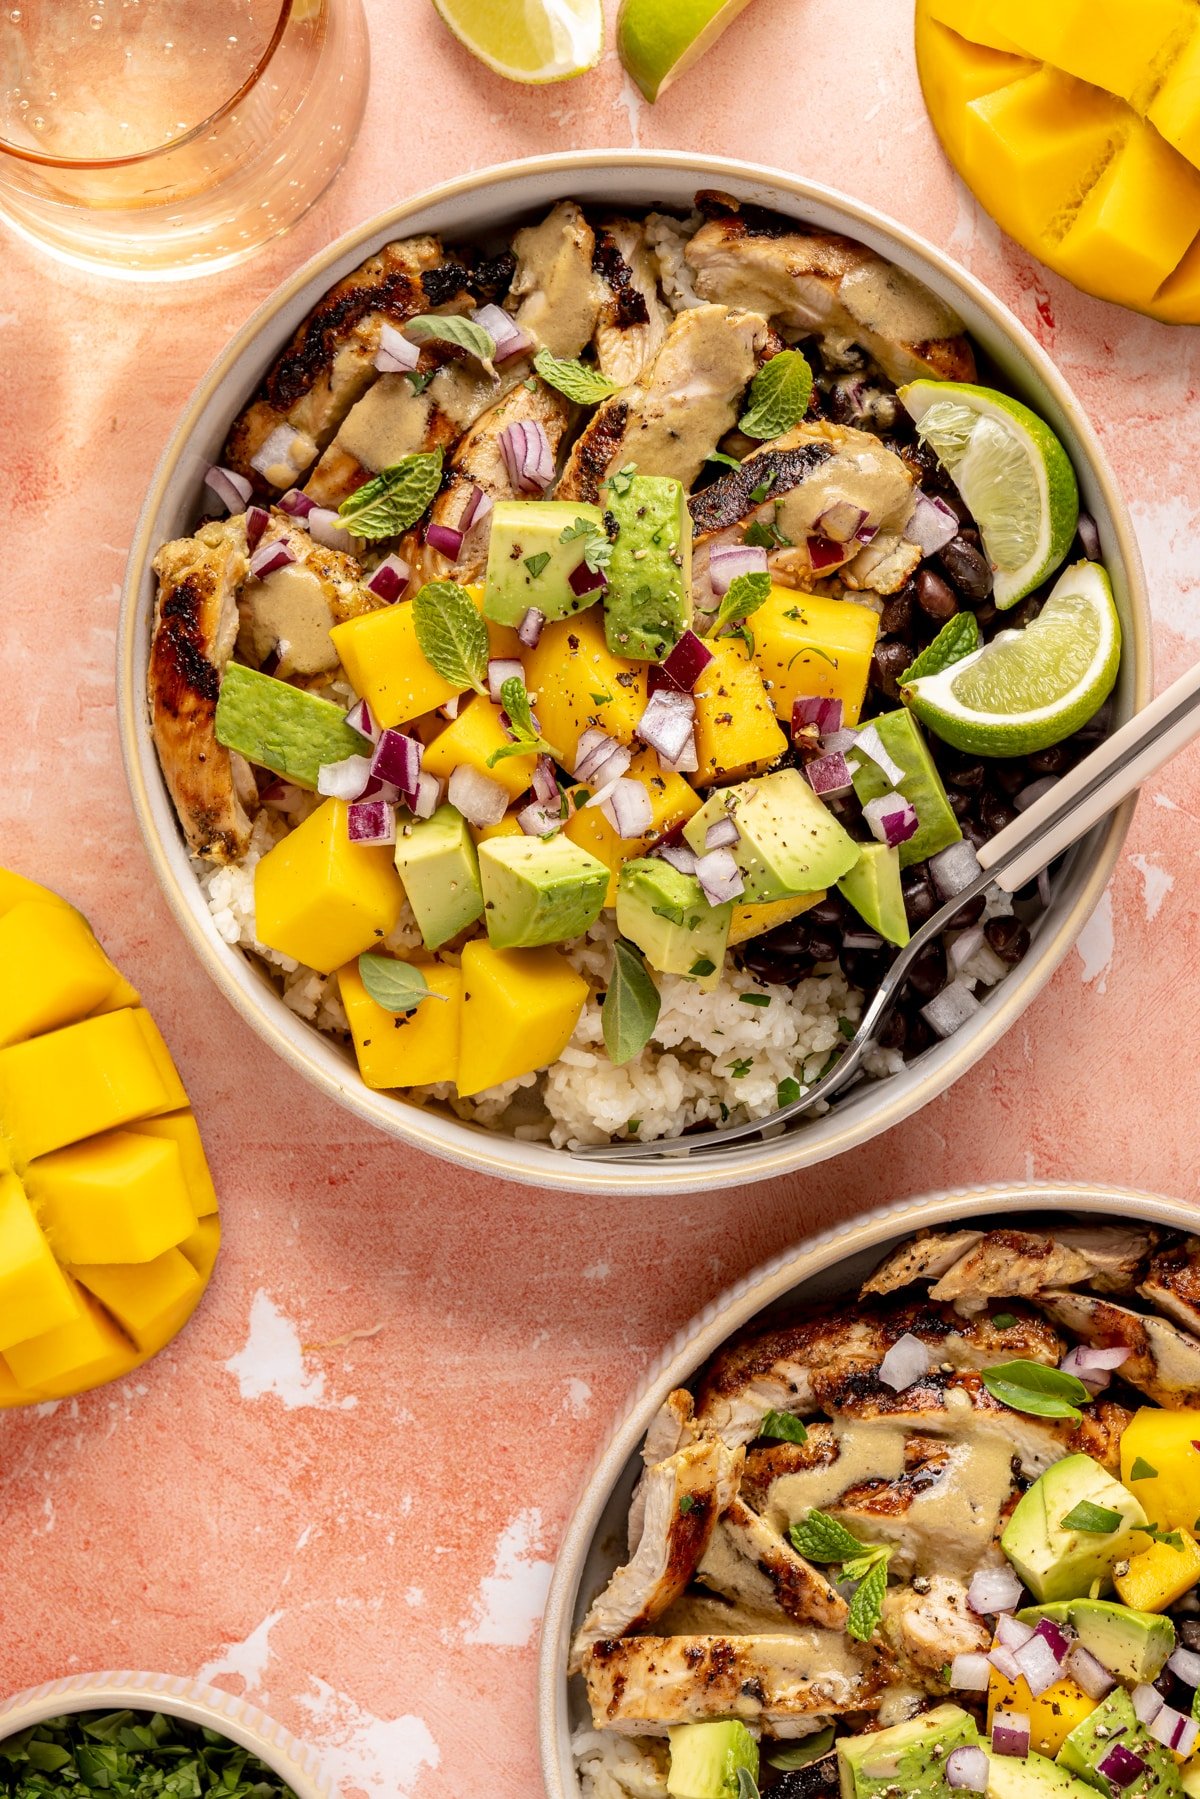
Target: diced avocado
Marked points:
539	890
1115	1721
648	599
1132	1645
907	1758
535	547
667	915
901	737
437	862
705	1759
283	728
1057	1560
788	841
873	888
1032	1776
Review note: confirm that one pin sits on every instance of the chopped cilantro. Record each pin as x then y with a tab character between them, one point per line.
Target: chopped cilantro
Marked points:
702	967
755	999
535	564
1142	1469
1004	1321
686	1503
739	1069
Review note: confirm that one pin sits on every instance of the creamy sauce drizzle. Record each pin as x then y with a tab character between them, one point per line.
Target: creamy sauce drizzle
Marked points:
291	610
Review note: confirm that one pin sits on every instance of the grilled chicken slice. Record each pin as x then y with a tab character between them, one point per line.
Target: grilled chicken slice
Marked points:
1173	1284
647	1684
558	290
684	1497
672	420
195	629
801	1367
1164	1362
330	361
806	281
924	1257
753	1566
391	421
286	618
633	320
1008	1264
672	1428
930	1623
767	1464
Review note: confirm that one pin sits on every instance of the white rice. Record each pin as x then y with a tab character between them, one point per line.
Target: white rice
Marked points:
616	1767
667	238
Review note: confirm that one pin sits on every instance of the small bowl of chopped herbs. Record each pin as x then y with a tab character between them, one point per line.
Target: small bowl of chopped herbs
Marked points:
136	1736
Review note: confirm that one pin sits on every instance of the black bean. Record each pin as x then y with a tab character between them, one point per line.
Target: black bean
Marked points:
961	511
967	568
864	968
986	616
824	943
974	832
775	969
962	805
897	616
888	664
969	914
920	1034
1010	777
894	1030
927	975
934	597
920	901
921	463
995	815
1189	1633
827	911
1008	937
963	772
1051	761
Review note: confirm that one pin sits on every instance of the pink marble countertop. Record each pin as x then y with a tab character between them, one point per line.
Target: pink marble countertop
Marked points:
341	1490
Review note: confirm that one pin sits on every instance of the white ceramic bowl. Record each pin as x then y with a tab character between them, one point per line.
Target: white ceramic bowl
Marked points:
822	1268
176	1697
475	205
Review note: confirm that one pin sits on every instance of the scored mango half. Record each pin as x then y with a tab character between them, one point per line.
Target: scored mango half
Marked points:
108	1214
1076	123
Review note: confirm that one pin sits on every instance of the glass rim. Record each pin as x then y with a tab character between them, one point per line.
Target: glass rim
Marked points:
42	160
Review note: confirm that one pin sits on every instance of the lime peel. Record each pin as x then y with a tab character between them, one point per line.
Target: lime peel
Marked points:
659	39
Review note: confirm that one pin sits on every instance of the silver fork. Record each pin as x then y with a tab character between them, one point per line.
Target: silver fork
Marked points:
1011	859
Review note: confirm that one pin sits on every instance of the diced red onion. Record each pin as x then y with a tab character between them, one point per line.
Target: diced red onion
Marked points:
506	334
1038	1663
445	540
476	509
376	789
1121	1766
839	743
1028	795
629	809
688	760
390	579
726	561
1011	1633
950	1009
481	800
1094	1366
396	355
1010	1734
1058	1639
271	556
328	529
722	835
825	715
871	744
1185	1739
1088	1672
545	782
297	503
613	770
667	722
994	1590
968	1768
829	776
1089	536
1185	1665
371	821
233	490
583	580
931	524
823	553
842	521
277	451
398	759
968	943
527	456
452	707
867	534
257	520
501	669
970	1673
905	1363
429	795
530	628
1174	1730
344	780
720	876
687	661
359	719
679	856
538	820
1005	1662
1147	1702
594	751
954	868
891	819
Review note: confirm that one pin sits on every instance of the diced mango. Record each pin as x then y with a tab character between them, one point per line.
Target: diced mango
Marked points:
11	1393
151	1303
322	899
82	1353
117	1198
15	888
507	827
1189	1774
579	684
1052	1716
1160	1463
86	1078
807	645
736	729
468	741
55	972
202	1246
1137	221
34	1293
520	1008
407	1049
672	802
1108	43
1173	111
980	20
1156	1577
755	921
385	665
181	1129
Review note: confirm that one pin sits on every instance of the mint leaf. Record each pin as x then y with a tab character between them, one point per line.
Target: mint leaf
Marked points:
799	1755
450	328
822	1539
1142	1470
396	986
586	386
527	740
779	396
866	1607
1041	1392
631	1006
451	634
1095	1520
394	499
783	1428
746	594
747	1786
958	637
720	456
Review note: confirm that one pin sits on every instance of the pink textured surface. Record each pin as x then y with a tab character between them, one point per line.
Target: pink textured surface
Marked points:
357	1533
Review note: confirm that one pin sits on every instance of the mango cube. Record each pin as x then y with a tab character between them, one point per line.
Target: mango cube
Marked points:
151	1302
756	921
1108	43
385	666
1139	218
505	827
672	803
202	1246
34	1294
406	1049
736	729
519	1010
808	646
1052	1716
470	739
84	1079
1160	1463
54	970
579	684
82	1353
181	1129
1156	1577
322	899
116	1198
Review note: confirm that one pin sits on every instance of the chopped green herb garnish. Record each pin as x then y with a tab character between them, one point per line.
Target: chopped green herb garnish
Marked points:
784	1427
452	328
535	564
394	499
787	1092
131	1755
1142	1470
622	481
755	999
396	986
739	1069
1004	1321
686	1503
847	1027
1042	1392
799	1755
600	699
758	494
702	967
821	1538
631	1005
451	634
746	594
720	456
1095	1520
420	378
527	739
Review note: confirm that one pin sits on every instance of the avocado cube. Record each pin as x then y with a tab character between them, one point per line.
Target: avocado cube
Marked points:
281	727
908	1758
535	548
705	1759
437	862
669	918
1032	1776
1132	1645
648	599
539	890
937	827
788	841
1055	1559
873	888
1115	1721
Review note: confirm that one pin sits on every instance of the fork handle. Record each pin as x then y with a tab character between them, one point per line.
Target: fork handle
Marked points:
1096	786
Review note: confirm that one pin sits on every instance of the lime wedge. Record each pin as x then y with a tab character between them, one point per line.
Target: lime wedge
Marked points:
1012	472
659	39
1028	689
529	40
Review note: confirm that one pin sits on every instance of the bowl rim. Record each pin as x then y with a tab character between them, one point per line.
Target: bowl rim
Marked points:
180	1696
702	1336
494	1153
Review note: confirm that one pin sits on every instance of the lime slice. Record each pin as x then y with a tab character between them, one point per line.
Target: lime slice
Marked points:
1012	472
529	40
1028	689
659	39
